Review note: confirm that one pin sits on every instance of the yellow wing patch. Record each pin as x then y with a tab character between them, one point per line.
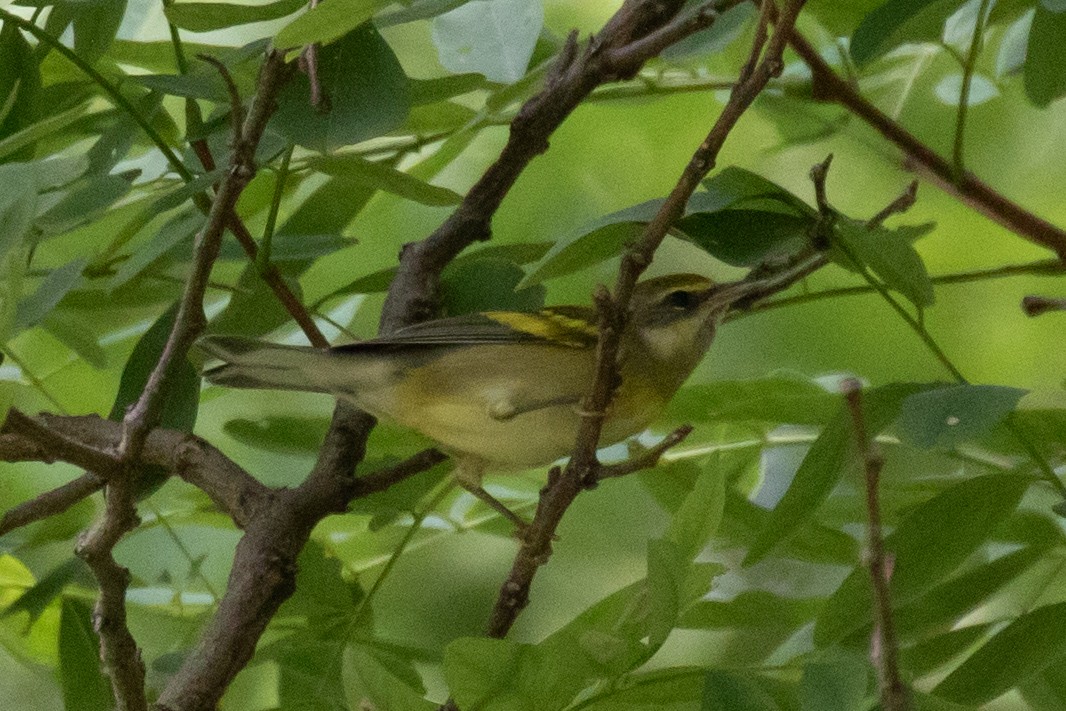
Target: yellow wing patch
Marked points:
565	329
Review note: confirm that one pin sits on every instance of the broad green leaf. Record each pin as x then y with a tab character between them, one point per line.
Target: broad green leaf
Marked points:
1021	650
18	203
71	330
37	598
199	83
490	37
836	684
327	22
754	609
431	91
747	238
1045	61
364	84
727	691
323	597
384	679
208	16
947	416
731	189
85	688
20	85
667	565
379	281
310	672
726	29
381	176
784	398
697	519
291	250
12	145
932	652
833	453
417	10
891	256
487	284
1014	46
180	228
942	606
949	90
95	27
286	434
931	542
85	201
48	295
253	310
899	22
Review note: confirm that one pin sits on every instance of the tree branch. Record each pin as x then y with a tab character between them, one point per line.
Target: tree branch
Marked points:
965	186
583	467
50	503
884	647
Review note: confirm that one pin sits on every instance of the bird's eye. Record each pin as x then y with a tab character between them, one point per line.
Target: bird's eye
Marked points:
681	299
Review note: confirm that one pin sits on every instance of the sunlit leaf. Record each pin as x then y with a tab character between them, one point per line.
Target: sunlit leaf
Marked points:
491	37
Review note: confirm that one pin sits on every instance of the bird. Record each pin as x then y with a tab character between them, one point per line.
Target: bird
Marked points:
500	391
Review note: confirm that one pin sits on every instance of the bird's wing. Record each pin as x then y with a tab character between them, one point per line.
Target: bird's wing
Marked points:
570	326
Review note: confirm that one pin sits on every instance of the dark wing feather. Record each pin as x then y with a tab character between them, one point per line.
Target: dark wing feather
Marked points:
564	326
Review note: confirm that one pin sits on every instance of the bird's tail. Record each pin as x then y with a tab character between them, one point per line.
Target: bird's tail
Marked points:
248	363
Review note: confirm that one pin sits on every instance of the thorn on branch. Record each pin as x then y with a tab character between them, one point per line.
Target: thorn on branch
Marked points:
898	206
1038	305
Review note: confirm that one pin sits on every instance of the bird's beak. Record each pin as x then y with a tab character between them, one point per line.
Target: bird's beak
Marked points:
720	297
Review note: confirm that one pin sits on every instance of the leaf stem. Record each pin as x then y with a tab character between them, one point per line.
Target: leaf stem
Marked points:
263	258
958	158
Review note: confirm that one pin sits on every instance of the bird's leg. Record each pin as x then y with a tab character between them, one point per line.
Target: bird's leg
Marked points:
469	477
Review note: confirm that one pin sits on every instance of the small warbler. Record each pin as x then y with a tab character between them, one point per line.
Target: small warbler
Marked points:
500	390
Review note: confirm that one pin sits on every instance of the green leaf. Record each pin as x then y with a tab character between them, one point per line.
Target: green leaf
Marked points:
487	284
833	453
84	203
253	310
85	688
182	401
726	29
37	599
784	398
432	91
48	295
382	176
70	330
208	16
697	519
667	566
1013	48
494	38
890	254
365	86
180	228
20	86
945	604
95	27
1045	61
747	238
13	145
1023	649
281	433
931	542
731	189
383	679
18	203
327	22
899	22
751	609
947	416
323	597
838	684
417	10
726	691
932	652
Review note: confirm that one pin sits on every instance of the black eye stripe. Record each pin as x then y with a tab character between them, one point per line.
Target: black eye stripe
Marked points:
681	299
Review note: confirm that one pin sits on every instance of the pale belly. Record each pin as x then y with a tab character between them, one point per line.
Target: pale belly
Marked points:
516	410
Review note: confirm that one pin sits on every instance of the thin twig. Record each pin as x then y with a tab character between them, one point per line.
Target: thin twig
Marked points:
384	478
583	467
647	459
884	646
190	320
898	206
827	85
1037	305
968	66
50	503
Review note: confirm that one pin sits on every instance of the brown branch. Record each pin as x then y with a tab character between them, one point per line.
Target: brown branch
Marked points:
1037	305
583	466
884	647
616	52
969	189
119	654
384	478
645	460
190	321
50	503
